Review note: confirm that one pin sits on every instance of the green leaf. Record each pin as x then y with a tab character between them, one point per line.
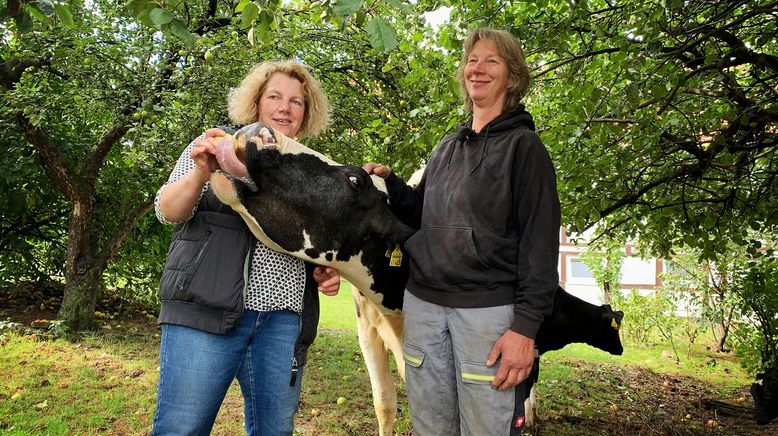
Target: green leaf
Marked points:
347	7
160	16
138	6
360	18
143	17
64	15
242	5
265	26
45	6
404	7
382	35
23	22
38	14
249	14
179	30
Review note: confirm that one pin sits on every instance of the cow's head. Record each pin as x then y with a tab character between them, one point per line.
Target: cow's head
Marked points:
607	326
298	201
574	320
765	394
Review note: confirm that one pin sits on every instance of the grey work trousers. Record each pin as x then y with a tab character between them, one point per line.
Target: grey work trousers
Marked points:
449	384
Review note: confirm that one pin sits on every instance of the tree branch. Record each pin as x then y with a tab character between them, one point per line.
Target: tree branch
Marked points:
121	232
53	161
11	70
575	58
101	149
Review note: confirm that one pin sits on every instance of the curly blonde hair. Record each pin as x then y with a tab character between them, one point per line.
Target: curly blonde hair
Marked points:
510	49
244	100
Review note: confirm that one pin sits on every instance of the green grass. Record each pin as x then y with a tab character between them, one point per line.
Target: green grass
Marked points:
106	383
338	312
58	388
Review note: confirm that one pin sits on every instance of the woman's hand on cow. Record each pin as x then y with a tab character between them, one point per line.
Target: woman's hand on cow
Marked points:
379	170
203	154
328	279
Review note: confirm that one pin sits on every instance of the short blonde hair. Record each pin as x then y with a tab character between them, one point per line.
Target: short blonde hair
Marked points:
510	49
244	100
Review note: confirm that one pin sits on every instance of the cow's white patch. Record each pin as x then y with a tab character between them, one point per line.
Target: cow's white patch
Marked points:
307	244
352	270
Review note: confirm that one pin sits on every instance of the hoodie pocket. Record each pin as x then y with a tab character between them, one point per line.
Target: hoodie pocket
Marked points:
444	256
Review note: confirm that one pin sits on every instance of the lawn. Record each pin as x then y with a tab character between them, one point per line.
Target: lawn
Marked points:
105	384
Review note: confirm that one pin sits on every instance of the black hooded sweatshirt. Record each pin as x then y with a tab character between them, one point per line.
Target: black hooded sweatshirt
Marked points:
488	216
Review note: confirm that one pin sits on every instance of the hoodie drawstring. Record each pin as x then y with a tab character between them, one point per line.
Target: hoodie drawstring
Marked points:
483	149
466	134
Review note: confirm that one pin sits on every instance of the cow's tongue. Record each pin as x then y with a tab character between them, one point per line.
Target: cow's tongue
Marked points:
228	161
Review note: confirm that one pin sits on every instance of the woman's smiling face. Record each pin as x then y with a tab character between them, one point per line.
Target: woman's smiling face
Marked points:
486	75
282	104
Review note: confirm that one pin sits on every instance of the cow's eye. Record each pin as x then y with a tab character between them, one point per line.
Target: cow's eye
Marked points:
355	181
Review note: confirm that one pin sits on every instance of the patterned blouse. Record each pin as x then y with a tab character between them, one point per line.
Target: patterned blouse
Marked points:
276	280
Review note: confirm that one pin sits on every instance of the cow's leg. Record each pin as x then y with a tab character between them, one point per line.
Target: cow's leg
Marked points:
377	362
530	409
391	331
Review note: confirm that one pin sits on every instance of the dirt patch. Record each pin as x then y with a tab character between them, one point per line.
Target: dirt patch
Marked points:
641	402
37	309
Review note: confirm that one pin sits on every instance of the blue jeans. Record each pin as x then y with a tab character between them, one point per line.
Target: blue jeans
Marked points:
196	368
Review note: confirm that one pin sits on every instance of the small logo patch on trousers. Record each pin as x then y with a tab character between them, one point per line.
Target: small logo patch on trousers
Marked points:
519	422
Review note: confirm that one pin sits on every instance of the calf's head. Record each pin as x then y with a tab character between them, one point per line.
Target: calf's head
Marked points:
574	320
298	201
606	330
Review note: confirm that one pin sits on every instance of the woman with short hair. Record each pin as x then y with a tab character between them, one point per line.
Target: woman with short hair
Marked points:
484	261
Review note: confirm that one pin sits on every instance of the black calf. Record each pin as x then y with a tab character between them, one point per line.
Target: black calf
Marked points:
765	393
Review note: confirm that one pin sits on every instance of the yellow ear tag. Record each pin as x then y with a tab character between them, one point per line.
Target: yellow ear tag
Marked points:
397	256
614	324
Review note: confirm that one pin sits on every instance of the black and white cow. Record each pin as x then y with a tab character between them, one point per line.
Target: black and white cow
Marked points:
765	394
573	320
298	201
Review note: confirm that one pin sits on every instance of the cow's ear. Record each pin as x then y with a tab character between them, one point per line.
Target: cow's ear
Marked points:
613	318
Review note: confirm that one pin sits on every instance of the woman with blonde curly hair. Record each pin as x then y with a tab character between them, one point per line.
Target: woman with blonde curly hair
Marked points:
230	306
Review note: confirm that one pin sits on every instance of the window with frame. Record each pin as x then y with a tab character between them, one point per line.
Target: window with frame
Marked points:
579	272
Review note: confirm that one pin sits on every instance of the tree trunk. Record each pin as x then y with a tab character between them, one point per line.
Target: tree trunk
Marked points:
83	273
724	325
80	299
723	340
606	291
